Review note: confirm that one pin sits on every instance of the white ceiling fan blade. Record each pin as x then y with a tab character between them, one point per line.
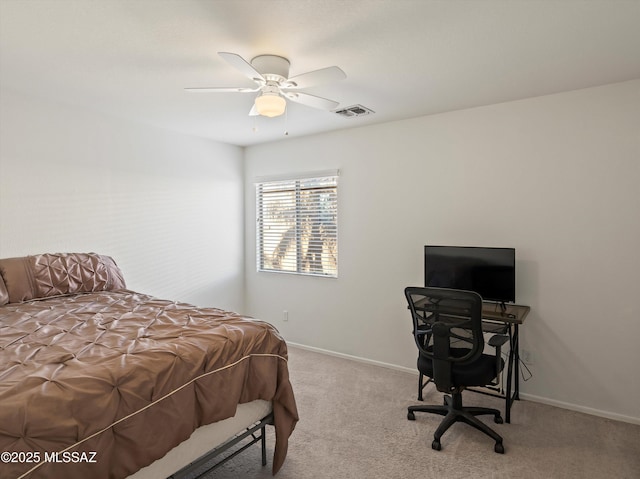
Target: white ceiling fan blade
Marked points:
316	77
311	100
242	65
222	89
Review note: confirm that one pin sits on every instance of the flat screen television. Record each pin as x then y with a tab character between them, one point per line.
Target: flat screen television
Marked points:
490	272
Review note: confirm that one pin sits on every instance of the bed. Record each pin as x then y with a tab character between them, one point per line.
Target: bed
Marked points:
100	381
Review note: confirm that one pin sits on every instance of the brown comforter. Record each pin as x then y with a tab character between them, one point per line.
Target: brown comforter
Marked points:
100	384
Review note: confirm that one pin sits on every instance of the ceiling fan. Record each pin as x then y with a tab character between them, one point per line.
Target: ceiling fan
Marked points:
271	74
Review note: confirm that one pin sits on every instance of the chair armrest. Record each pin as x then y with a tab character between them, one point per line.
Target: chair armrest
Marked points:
497	340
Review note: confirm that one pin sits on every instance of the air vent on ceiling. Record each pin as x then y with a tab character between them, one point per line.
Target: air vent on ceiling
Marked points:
353	111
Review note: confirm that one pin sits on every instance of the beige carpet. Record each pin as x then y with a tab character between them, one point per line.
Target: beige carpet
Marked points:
353	425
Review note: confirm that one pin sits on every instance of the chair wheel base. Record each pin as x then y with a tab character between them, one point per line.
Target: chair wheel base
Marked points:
499	448
498	420
411	416
436	445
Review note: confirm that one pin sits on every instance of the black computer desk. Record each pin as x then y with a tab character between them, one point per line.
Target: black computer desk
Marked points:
507	320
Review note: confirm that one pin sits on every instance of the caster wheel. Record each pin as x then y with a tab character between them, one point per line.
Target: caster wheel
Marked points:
436	445
498	420
411	416
499	448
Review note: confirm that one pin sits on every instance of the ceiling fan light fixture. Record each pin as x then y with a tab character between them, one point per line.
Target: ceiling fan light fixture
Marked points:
270	104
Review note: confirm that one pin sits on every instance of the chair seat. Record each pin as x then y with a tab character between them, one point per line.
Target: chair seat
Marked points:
479	373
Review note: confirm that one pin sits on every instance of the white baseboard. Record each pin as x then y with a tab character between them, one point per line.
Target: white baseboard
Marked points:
355	358
528	397
578	408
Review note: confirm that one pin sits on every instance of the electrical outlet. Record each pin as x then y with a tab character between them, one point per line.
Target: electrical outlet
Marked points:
526	356
285	316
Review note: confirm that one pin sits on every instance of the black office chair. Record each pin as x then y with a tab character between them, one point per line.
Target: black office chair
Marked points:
447	327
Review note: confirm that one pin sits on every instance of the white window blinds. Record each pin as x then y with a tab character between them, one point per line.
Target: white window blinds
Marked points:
297	225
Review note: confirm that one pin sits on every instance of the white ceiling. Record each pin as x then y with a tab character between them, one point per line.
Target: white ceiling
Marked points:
403	58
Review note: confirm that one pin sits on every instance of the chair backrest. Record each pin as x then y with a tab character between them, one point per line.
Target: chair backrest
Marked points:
447	328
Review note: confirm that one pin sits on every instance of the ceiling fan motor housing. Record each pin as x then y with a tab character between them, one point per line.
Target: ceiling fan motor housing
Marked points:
271	67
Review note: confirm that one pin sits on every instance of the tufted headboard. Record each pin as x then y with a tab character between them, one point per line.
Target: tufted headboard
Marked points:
45	275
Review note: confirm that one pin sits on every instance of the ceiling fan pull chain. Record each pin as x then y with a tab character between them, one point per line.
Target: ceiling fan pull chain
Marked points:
286	121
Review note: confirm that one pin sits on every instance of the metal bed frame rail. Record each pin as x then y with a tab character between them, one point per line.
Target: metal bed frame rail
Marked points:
257	434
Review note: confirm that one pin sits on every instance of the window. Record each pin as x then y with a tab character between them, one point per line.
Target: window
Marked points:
297	225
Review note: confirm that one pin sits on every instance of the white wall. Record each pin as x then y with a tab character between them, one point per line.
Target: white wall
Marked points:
167	207
556	177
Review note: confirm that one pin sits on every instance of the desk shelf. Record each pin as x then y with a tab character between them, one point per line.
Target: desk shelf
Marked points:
514	313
